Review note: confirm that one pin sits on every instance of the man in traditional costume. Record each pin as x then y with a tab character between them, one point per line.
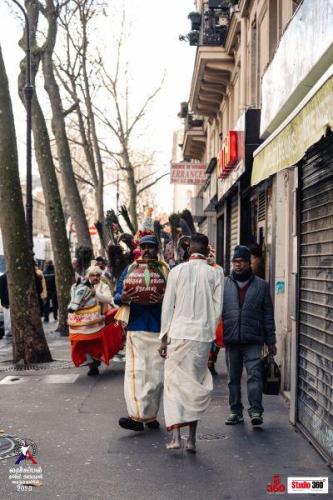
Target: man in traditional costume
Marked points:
141	287
91	338
191	310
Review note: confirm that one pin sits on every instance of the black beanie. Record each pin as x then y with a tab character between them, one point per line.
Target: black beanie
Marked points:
242	252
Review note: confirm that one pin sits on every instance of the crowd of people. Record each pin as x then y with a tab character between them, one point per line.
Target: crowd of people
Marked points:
46	293
162	297
172	302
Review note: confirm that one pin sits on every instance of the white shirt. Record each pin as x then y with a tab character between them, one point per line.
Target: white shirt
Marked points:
193	300
103	293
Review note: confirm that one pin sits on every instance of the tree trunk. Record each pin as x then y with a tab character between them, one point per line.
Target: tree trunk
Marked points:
59	130
133	198
29	342
64	273
91	119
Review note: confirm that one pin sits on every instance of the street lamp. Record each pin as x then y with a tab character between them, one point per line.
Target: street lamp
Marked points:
28	94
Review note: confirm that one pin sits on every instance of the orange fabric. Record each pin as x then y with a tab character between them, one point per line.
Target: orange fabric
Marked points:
102	345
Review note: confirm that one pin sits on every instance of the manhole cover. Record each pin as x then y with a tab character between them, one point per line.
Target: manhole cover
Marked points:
9	446
54	365
10	380
211	437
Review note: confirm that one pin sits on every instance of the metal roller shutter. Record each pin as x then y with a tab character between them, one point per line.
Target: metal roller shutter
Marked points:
315	354
234	223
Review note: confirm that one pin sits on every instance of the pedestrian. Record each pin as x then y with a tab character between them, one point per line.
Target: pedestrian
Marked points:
192	308
257	260
86	320
248	324
141	286
41	287
76	268
49	275
4	298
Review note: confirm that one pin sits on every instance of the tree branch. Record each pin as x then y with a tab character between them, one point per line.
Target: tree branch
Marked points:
152	183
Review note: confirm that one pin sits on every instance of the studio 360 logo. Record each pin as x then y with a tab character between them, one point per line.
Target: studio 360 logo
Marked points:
276	486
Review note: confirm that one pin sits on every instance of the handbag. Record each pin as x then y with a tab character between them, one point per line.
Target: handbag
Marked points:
271	376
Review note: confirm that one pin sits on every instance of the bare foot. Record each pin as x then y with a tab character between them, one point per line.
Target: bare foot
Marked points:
190	446
173	445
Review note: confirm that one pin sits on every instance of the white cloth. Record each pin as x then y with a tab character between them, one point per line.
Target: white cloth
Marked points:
103	293
193	301
187	382
7	322
143	382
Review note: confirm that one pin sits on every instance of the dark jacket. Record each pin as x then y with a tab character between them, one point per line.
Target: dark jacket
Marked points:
49	275
253	322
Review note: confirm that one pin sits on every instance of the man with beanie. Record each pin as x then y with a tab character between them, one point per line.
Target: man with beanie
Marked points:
248	324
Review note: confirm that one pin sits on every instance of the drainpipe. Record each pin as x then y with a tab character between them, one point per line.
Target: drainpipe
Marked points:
243	61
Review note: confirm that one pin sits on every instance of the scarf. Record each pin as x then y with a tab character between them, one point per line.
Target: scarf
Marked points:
246	276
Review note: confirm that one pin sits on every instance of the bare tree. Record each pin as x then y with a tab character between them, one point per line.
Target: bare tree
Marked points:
75	76
122	130
88	82
63	268
29	343
74	201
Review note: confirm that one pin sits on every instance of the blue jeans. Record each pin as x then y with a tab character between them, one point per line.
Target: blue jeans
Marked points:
249	355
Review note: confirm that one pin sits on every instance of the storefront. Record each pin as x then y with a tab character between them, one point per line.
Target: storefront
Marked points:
234	222
315	298
305	141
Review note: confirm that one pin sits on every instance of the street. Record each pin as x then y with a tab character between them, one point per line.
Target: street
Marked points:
84	455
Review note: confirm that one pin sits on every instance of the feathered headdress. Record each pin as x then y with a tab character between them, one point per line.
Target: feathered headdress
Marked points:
124	212
188	218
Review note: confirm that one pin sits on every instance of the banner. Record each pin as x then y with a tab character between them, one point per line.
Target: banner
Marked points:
188	173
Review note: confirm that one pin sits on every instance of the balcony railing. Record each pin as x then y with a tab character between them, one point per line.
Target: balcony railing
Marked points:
215	36
192	121
211	26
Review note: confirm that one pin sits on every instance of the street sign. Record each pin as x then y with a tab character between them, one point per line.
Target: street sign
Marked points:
188	173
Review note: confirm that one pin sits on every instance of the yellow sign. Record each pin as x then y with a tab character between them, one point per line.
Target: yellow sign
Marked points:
287	148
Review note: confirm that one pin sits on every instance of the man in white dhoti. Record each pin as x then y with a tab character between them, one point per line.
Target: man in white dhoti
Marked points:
142	286
192	307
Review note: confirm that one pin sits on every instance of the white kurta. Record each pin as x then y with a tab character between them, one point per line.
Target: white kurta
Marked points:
192	304
191	310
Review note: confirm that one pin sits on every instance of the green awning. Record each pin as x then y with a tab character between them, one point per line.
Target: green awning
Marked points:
286	148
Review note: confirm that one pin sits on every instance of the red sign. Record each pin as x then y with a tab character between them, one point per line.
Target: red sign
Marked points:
92	230
276	486
229	154
188	173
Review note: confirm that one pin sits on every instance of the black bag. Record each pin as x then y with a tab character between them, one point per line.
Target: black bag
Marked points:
271	376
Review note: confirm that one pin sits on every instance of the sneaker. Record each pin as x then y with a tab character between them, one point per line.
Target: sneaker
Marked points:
256	418
153	425
234	418
129	423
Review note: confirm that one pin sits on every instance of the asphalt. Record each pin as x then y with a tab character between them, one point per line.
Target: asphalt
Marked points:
84	455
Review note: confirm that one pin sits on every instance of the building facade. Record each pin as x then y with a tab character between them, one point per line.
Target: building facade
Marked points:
259	115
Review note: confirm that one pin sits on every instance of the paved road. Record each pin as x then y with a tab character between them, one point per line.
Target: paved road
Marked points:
86	456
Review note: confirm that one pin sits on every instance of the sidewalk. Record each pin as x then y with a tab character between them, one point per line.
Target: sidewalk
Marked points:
85	455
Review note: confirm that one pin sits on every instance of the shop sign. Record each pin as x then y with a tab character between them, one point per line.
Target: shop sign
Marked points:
288	144
229	155
188	173
225	184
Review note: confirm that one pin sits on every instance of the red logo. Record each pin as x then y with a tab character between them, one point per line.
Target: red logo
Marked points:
276	486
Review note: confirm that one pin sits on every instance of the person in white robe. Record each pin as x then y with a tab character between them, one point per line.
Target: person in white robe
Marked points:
192	307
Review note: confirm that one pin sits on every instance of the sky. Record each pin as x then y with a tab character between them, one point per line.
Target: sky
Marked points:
152	49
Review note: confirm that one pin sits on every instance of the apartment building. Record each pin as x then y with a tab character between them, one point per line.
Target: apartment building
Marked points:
259	115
